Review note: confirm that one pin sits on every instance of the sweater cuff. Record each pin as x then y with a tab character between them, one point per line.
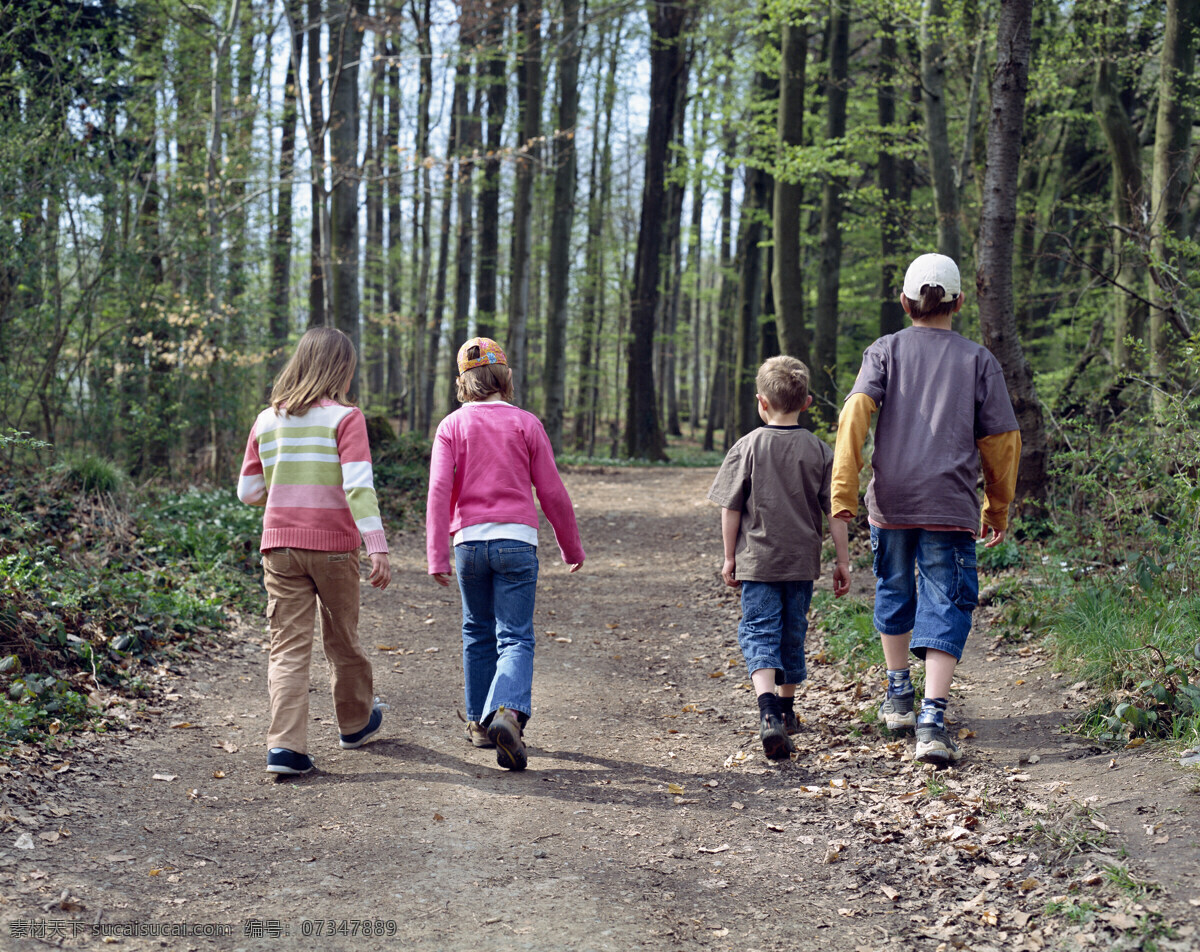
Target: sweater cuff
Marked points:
376	542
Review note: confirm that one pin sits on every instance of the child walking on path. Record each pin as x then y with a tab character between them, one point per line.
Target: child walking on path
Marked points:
943	408
486	457
308	462
773	488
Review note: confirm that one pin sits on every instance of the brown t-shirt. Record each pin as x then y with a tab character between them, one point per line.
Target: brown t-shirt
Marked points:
779	478
937	393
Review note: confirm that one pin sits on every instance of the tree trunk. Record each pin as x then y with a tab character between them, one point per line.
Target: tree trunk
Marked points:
374	353
1172	164
829	276
749	300
643	436
1128	202
592	290
554	373
281	236
426	356
462	80
718	382
492	69
529	109
400	392
787	276
892	214
935	45
468	143
318	288
997	227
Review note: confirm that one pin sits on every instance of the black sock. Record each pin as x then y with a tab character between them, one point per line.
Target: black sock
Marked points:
768	703
787	704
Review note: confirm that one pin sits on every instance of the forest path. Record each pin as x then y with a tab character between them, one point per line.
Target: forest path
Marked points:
648	817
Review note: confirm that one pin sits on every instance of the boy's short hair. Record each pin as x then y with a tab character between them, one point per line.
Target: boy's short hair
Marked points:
784	382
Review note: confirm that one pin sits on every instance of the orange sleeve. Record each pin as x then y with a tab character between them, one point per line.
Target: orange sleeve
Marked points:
1000	455
853	425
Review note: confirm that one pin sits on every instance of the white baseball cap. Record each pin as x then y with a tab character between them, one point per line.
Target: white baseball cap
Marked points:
932	269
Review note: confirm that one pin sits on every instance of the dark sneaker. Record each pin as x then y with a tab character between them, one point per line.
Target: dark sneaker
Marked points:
791	723
505	732
358	738
897	712
776	743
477	735
936	746
283	761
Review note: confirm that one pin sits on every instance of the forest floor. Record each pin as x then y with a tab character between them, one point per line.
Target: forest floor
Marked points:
648	817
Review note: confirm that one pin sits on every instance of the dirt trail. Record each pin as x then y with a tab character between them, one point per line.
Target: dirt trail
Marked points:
648	817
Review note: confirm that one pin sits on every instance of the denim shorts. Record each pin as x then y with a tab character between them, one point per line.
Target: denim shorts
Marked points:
773	627
937	603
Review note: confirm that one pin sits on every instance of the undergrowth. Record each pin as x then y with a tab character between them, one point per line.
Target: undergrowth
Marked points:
99	580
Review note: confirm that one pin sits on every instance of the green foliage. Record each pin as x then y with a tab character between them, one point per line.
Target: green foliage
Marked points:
848	626
401	466
91	474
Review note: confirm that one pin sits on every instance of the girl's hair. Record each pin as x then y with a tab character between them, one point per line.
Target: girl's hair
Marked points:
481	382
931	303
320	369
784	382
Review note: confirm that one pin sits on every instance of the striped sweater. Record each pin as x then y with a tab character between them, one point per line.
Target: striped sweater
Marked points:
313	473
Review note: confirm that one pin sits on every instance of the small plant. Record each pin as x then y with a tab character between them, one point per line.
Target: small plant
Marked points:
1120	877
849	628
1075	911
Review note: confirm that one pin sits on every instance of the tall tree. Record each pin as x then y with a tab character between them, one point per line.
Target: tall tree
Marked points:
829	275
425	363
529	121
345	23
787	274
891	217
1172	165
492	71
997	226
468	145
644	438
554	372
281	233
936	42
318	285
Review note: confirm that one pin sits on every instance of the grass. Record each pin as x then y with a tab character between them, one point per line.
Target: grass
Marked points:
849	629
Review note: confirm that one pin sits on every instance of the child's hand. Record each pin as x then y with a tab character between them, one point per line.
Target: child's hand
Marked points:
381	570
990	535
728	569
841	579
574	566
442	578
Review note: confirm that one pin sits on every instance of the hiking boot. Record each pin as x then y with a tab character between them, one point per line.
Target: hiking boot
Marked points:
776	743
935	745
283	761
505	732
897	713
477	735
791	723
358	738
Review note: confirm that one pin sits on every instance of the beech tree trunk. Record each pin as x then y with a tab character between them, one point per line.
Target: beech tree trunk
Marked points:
934	48
554	371
643	436
281	233
829	274
318	287
997	227
787	275
343	154
892	216
493	72
529	110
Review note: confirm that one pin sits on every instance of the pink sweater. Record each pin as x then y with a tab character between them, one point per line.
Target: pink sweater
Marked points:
486	456
313	473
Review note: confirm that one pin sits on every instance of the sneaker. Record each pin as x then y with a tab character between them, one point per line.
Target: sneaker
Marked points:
477	735
897	712
776	743
936	746
791	723
505	732
358	738
283	761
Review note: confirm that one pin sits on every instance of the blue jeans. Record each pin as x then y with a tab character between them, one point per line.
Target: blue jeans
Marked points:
773	627
936	605
497	580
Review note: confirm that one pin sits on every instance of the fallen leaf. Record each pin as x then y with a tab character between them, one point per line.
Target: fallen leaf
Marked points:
1135	742
119	858
228	746
309	859
720	933
1028	885
164	776
24	842
964	733
675	788
437	818
50	836
182	725
989	917
712	849
612	626
737	806
155	872
892	894
848	913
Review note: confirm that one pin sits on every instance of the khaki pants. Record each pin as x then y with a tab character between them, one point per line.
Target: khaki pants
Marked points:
297	581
